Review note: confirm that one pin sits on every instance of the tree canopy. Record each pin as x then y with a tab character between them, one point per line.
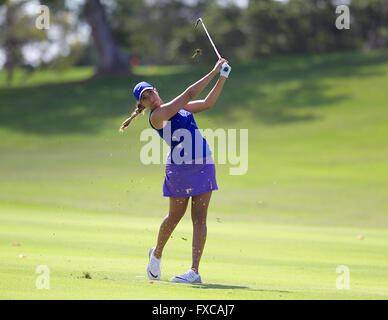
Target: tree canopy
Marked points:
122	33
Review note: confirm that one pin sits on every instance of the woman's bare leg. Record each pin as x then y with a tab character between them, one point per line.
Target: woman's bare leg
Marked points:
177	210
199	205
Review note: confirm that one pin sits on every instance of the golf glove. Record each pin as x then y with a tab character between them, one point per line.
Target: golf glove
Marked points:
225	70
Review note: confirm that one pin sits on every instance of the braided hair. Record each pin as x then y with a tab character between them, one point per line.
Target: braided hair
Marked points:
138	110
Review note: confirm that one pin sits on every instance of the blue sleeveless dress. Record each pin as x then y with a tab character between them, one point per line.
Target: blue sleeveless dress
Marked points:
190	168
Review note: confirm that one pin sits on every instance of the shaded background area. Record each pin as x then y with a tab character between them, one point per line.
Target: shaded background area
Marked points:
270	91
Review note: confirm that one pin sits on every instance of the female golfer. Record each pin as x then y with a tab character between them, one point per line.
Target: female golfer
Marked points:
191	177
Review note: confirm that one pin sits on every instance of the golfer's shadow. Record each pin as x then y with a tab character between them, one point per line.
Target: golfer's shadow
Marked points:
211	285
226	286
216	286
222	286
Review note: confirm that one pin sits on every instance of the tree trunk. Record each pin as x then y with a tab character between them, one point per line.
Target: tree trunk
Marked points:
109	59
375	39
11	45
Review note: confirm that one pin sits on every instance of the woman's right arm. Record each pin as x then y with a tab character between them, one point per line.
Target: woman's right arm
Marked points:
168	110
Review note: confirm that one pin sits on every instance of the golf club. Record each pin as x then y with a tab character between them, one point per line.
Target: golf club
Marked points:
225	68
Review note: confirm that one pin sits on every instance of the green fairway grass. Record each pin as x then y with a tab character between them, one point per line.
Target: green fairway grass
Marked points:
75	195
243	260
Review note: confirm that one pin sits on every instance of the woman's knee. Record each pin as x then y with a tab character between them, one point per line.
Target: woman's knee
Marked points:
198	219
175	216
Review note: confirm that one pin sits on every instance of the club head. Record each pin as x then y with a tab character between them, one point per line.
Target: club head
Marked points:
198	20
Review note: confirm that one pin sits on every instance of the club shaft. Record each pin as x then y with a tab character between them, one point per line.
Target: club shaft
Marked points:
211	41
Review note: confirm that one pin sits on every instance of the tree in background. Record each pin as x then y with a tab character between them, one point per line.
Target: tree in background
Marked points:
57	47
109	58
150	29
133	26
296	26
17	30
226	27
266	28
162	32
371	21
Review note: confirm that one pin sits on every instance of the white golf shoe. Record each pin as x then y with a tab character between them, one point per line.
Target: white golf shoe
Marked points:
188	277
153	269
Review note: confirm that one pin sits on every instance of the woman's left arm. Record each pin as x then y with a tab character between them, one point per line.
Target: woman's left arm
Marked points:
205	104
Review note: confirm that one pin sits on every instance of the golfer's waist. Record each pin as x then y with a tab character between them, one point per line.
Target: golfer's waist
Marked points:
200	160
